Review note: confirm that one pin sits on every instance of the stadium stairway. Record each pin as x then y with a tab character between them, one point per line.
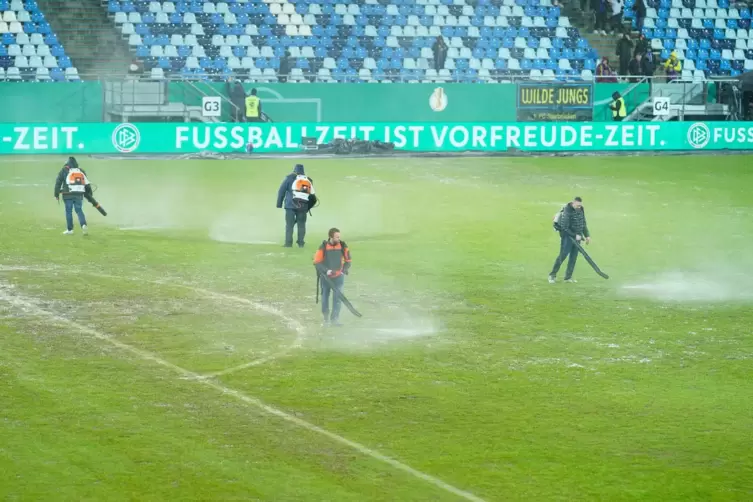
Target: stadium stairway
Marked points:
88	36
604	45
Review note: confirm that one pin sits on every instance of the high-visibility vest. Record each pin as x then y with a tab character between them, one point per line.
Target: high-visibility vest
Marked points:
622	112
252	106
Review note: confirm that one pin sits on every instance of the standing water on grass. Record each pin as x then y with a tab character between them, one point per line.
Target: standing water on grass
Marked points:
693	287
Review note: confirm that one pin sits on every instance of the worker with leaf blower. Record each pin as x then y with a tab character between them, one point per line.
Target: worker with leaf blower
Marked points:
73	184
298	196
332	262
570	222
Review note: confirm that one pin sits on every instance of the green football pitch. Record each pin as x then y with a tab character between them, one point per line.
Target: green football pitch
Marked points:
176	352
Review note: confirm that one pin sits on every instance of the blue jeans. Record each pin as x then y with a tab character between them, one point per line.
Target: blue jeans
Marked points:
336	302
567	251
70	205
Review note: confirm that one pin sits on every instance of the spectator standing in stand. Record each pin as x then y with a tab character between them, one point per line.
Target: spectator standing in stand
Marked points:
440	53
600	8
615	20
639	7
624	50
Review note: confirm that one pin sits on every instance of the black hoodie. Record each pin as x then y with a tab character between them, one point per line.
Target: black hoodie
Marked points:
67	182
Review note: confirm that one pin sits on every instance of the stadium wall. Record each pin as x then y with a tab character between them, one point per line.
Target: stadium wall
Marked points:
396	102
68	102
51	102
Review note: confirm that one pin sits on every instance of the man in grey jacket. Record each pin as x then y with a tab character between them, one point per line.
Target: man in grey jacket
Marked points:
570	222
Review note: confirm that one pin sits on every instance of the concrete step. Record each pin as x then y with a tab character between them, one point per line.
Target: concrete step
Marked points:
605	45
88	36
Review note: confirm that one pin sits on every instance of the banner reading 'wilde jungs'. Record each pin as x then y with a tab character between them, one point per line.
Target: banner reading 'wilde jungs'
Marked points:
555	102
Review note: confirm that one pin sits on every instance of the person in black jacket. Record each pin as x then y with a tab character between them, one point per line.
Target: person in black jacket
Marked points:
238	98
639	67
639	7
440	53
297	195
286	64
624	51
642	45
570	222
73	184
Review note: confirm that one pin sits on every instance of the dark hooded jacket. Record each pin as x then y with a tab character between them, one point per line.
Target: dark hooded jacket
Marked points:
236	93
285	193
573	221
61	182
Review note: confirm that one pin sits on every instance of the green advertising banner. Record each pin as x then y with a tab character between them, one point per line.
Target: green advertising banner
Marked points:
148	138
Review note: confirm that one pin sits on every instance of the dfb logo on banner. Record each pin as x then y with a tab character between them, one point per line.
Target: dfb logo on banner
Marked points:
211	106
661	106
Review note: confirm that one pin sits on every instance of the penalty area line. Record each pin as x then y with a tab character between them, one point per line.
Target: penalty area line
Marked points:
28	305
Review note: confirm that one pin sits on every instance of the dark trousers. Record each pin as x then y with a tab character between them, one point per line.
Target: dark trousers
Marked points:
239	111
292	218
439	60
624	62
336	302
70	205
616	23
601	21
567	248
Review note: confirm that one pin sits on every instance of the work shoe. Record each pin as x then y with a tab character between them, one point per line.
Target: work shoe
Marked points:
552	279
85	230
68	232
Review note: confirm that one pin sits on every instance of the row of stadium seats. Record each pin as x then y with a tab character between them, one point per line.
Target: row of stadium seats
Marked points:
33	50
247	63
548	19
39	74
356	7
369	75
717	14
425	54
34	62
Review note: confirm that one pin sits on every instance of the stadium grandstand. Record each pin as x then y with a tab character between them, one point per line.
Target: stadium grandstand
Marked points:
362	41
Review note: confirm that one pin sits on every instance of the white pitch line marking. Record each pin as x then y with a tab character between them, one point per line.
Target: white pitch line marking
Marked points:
24	303
296	326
